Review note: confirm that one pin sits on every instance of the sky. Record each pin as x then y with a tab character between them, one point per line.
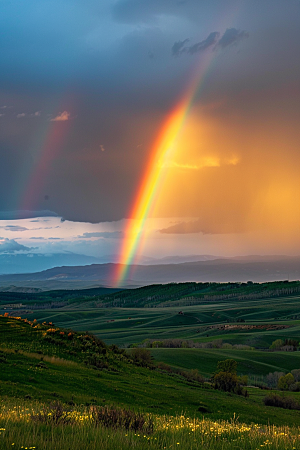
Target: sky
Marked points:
88	96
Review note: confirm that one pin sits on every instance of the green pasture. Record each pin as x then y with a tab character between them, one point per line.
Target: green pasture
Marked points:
125	326
35	368
250	362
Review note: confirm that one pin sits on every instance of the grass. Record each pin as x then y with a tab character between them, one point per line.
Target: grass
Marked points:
41	364
18	430
32	367
125	326
250	362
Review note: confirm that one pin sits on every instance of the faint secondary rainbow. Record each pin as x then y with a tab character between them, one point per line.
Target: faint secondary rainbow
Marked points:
162	152
50	140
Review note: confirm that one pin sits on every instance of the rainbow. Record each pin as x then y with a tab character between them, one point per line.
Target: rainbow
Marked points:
162	152
49	143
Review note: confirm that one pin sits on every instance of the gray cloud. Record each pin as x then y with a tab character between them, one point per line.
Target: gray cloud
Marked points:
179	48
12	215
120	96
11	246
102	234
232	36
14	228
203	45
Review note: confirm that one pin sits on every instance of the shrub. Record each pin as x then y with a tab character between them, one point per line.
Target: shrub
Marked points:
121	418
225	381
54	413
226	378
192	375
141	356
281	402
295	387
229	365
164	366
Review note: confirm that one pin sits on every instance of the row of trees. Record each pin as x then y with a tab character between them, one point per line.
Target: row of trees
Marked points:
287	345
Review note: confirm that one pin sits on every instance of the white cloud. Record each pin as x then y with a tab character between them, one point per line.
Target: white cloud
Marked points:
62	117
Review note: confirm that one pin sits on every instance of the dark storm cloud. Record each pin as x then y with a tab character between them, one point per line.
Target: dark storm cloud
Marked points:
232	36
12	215
179	48
11	246
203	45
93	60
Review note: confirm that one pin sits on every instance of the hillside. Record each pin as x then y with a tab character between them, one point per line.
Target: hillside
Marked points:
242	269
43	362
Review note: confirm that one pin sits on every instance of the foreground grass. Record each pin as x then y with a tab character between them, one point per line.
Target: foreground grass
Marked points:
18	430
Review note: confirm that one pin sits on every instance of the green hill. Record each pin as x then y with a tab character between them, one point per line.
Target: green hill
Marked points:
43	362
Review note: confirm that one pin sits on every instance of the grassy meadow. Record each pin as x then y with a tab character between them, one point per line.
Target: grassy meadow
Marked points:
78	430
43	362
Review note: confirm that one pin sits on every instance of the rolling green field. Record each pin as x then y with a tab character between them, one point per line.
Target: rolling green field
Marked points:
251	362
38	363
272	319
41	364
255	323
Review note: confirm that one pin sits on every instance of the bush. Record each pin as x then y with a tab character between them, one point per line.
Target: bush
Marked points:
54	413
142	356
192	375
121	418
225	381
281	402
165	367
229	365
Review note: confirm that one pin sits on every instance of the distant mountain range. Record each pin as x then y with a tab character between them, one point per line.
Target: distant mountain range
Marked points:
32	262
244	268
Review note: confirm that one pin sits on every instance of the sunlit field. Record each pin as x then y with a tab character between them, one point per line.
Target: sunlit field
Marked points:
78	429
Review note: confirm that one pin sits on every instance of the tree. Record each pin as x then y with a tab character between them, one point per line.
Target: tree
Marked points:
276	345
285	382
226	379
229	365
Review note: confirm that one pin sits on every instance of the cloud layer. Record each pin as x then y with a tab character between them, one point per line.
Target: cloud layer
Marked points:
86	87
